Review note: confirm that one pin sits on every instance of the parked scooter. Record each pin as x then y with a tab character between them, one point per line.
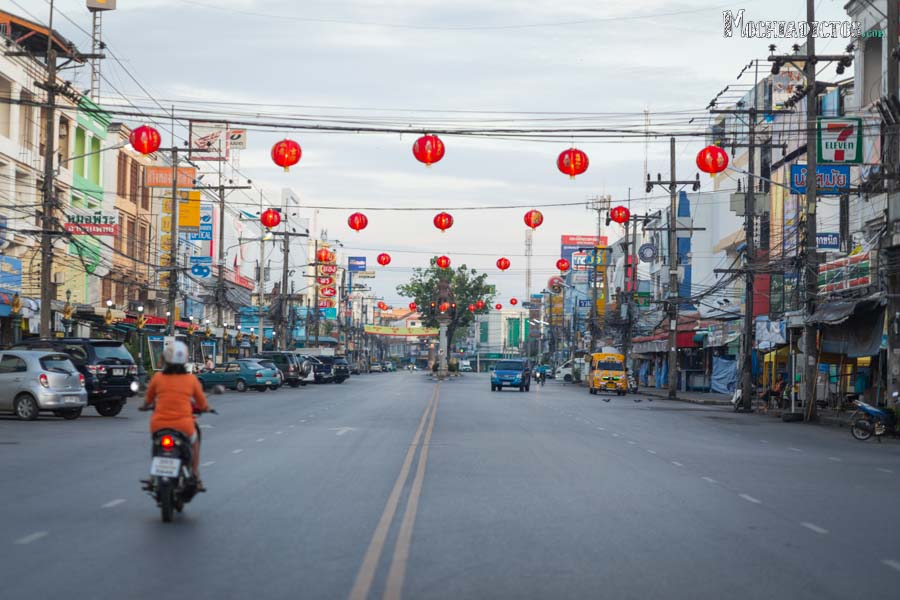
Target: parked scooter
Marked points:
172	481
873	421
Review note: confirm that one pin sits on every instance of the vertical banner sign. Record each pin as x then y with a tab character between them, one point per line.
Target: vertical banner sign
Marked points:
165	239
205	230
840	141
189	211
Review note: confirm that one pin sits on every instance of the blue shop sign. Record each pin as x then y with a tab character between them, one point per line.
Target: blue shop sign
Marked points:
10	273
831	180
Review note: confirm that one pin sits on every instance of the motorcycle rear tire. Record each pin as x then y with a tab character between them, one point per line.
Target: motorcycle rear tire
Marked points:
862	433
166	501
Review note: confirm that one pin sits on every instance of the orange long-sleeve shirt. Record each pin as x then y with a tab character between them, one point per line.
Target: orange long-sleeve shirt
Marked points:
175	397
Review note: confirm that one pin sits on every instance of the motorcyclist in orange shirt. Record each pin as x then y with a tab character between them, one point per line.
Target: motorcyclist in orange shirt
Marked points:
174	394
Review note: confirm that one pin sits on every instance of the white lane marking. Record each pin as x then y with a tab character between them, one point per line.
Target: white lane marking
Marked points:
632	442
342	430
813	527
237	451
112	503
677	464
835	459
895	565
303	420
278	432
291	426
651	451
206	426
260	440
883	470
31	538
709	479
764	441
794	449
602	428
750	499
615	435
208	463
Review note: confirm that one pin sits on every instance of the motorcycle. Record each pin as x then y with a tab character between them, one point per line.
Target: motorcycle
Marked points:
172	482
874	421
539	377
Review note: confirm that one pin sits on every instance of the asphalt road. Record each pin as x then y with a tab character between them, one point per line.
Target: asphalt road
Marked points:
391	486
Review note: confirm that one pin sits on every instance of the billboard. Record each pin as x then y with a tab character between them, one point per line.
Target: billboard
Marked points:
82	221
161	177
840	140
570	244
209	141
831	180
205	229
10	273
848	273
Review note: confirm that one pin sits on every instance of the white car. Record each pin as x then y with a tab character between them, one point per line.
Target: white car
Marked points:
375	368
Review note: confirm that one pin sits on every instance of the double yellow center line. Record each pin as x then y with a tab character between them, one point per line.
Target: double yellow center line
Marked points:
397	571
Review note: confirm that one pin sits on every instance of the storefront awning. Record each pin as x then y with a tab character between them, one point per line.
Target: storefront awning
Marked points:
851	327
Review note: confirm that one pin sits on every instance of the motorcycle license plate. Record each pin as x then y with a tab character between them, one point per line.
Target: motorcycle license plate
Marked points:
165	467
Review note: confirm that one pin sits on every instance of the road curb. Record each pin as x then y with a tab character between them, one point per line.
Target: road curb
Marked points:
664	395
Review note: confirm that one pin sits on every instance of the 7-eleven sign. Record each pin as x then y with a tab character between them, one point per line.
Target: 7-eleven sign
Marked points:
840	141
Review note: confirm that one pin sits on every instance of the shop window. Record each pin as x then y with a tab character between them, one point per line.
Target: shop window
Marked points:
5	107
134	181
106	289
121	174
94	161
63	136
78	166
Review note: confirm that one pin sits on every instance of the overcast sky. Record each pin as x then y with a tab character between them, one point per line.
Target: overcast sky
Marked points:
363	57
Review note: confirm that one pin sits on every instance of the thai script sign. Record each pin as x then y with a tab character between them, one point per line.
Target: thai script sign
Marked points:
401	331
161	177
831	180
828	241
86	222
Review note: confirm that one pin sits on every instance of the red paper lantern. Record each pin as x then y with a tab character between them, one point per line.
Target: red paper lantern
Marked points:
443	261
444	307
270	218
384	259
563	265
620	214
382	305
412	306
498	306
503	263
323	255
443	221
534	218
513	301
286	153
358	221
471	308
480	304
428	149
712	160
572	162
145	139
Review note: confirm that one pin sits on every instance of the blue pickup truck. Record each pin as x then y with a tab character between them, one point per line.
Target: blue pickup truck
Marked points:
239	375
511	373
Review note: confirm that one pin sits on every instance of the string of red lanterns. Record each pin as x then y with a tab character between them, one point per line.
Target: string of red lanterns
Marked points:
503	263
384	259
471	308
479	304
534	218
270	218
145	139
572	162
323	255
443	221
412	306
498	306
712	160
357	221
428	149
286	153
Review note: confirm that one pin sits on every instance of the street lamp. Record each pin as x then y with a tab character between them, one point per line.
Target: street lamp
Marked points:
141	321
108	319
67	314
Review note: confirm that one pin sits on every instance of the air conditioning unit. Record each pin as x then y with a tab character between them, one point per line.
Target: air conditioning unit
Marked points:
58	278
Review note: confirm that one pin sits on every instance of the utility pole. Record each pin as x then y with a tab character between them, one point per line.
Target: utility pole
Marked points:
262	292
811	258
173	256
48	222
673	294
316	303
600	205
891	157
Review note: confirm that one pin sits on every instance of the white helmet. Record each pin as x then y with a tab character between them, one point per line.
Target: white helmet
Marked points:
175	353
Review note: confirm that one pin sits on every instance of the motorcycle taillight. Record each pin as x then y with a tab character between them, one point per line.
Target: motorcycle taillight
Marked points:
167	442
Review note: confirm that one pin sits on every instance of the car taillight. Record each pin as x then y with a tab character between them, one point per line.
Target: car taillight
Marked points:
167	442
290	369
97	369
258	374
81	379
45	381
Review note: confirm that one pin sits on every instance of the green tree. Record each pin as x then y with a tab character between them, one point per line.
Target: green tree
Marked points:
468	286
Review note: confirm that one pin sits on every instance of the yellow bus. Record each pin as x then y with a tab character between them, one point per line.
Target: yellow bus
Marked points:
608	373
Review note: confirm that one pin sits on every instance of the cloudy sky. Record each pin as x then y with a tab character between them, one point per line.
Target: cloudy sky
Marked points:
428	63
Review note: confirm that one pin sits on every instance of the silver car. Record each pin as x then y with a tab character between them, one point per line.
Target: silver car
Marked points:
32	381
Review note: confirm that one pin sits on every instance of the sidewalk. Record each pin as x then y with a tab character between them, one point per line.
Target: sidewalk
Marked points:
707	398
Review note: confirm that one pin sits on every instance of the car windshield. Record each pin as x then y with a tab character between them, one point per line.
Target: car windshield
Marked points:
610	365
251	364
114	350
59	363
509	365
